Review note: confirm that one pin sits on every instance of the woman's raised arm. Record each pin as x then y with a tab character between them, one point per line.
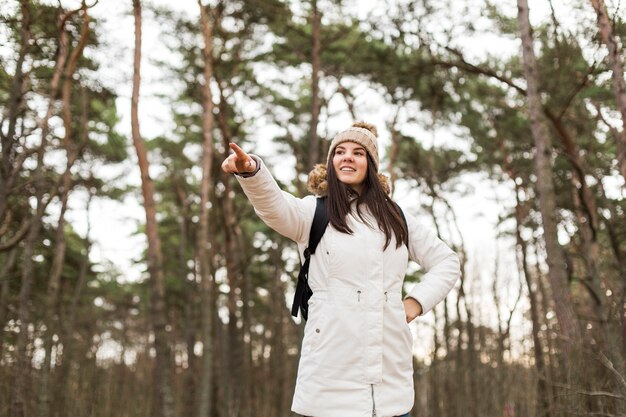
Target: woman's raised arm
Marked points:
286	214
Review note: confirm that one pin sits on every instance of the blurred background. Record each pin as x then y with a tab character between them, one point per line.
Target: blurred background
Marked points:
136	280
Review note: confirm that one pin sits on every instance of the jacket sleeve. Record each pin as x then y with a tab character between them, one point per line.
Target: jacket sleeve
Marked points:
281	211
440	262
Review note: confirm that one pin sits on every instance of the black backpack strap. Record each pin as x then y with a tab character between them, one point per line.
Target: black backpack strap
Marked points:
318	227
303	291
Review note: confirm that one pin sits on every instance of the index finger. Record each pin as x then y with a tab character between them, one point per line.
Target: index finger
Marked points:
240	152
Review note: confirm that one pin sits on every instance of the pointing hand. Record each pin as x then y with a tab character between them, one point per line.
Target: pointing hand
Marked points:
238	162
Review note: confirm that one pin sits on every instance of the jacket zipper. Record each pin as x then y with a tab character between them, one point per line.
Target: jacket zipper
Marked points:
372	385
373	402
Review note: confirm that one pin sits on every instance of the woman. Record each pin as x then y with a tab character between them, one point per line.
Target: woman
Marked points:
356	356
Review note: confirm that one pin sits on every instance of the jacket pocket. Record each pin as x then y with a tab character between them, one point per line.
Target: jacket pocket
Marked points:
343	340
314	327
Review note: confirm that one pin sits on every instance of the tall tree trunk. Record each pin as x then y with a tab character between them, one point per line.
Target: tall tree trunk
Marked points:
188	286
433	371
543	398
6	182
498	394
620	260
237	356
610	340
543	406
545	188
162	401
19	404
279	360
466	366
395	148
585	207
222	373
9	140
314	140
5	280
615	62
588	224
65	390
71	152
544	301
205	392
450	408
239	341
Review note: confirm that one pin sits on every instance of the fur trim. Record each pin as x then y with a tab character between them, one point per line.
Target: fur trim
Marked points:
385	182
317	182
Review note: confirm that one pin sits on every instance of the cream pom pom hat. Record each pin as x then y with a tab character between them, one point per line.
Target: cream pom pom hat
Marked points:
364	134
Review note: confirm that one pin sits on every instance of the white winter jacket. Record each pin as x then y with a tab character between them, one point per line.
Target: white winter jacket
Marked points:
356	357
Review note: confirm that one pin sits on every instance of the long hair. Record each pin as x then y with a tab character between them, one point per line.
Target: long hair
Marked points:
373	196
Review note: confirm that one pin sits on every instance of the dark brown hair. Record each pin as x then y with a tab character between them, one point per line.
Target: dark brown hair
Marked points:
373	196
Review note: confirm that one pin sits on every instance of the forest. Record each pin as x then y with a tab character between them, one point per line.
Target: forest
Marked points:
503	127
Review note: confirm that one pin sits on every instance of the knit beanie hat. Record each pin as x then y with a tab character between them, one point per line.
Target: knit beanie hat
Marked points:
364	134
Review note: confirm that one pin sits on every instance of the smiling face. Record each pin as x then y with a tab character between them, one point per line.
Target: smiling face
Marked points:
350	164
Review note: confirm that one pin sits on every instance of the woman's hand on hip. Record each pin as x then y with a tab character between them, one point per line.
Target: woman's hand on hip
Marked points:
412	309
238	162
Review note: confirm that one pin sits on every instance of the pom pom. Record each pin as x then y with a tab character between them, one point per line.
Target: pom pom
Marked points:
367	126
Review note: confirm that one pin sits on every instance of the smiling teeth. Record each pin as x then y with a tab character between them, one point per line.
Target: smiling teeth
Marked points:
348	169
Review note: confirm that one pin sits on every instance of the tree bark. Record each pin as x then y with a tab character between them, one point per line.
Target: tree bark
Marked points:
205	392
620	260
242	396
239	365
434	406
188	288
279	360
9	140
545	188
615	62
314	140
585	208
5	280
19	405
609	341
162	401
451	408
71	152
543	398
395	148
